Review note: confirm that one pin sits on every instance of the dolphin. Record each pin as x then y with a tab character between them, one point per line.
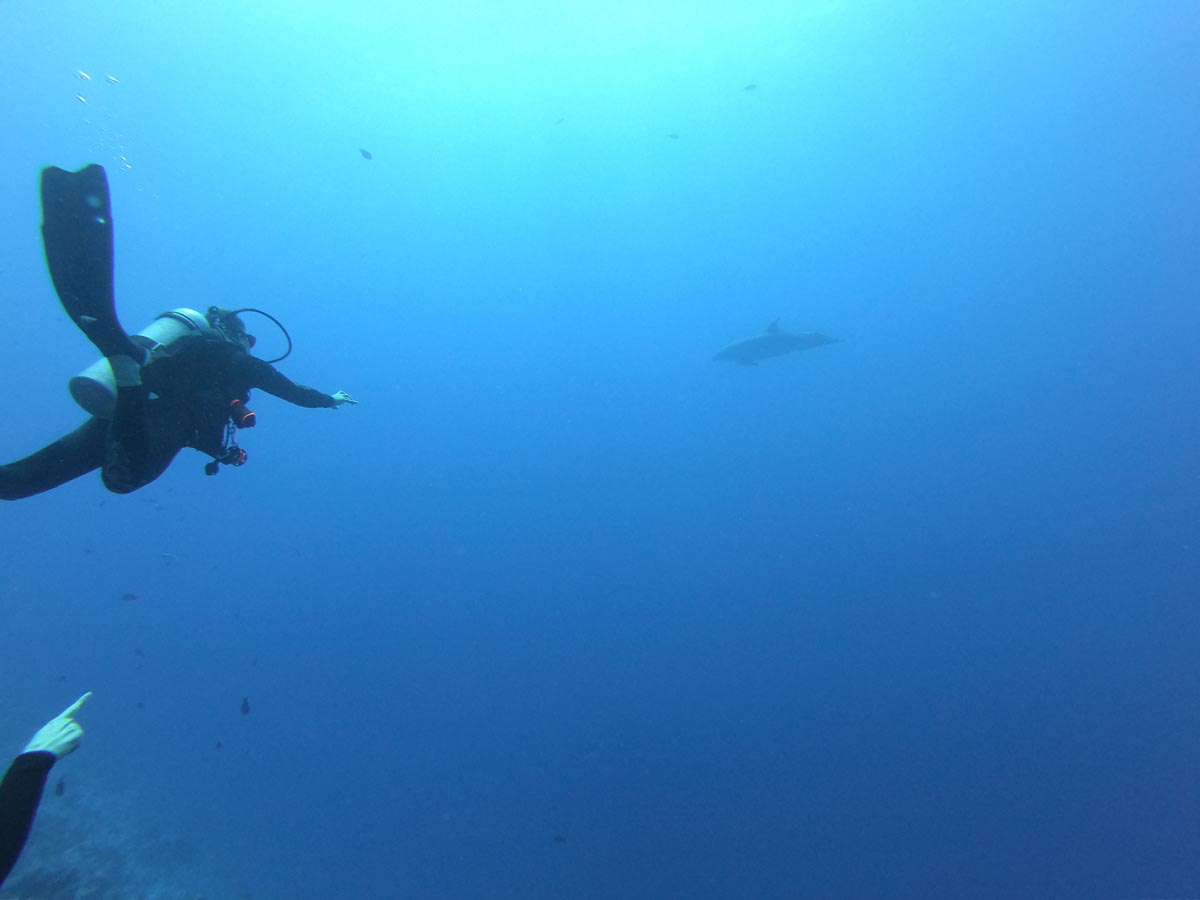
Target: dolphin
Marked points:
773	342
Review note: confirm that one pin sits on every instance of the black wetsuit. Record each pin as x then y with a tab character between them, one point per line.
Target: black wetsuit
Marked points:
184	401
20	793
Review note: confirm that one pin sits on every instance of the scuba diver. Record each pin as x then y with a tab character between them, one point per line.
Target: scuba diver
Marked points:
183	381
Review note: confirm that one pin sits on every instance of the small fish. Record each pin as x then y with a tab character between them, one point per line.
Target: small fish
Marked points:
560	839
366	154
82	75
141	705
560	121
750	87
220	745
111	79
81	98
673	136
60	788
129	596
245	706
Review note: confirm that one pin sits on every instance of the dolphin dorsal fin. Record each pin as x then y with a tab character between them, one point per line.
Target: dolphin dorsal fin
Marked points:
773	328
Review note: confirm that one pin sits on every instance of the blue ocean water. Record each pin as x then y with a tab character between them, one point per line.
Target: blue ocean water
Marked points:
563	608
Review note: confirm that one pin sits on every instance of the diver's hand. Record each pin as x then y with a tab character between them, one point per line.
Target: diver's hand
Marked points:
342	397
60	735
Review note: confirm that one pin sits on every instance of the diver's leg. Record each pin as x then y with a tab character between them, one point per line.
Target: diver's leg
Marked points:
77	233
143	438
70	456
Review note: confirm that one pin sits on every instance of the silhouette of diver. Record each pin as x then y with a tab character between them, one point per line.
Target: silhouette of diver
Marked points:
183	382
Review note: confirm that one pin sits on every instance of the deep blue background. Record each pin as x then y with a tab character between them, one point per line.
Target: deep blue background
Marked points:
912	615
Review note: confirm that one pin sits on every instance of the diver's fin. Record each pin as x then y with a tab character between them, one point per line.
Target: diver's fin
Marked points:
78	238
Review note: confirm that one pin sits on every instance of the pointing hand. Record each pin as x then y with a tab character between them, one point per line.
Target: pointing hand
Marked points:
60	735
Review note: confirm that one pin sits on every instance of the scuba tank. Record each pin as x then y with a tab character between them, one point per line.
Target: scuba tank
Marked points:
95	388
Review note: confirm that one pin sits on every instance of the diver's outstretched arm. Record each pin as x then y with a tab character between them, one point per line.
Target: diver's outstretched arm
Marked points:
21	789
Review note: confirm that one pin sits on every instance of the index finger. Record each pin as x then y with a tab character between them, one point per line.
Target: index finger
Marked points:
74	707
